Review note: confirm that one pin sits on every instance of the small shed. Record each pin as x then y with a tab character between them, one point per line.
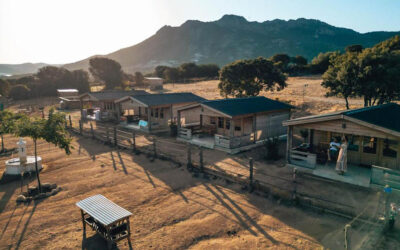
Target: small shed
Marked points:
233	125
157	110
101	105
155	83
69	98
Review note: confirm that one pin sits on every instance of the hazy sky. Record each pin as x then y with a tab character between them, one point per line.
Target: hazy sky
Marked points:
62	31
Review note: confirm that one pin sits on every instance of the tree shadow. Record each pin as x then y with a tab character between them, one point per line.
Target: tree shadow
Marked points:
25	226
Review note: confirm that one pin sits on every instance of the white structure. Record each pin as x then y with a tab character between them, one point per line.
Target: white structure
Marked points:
22	150
23	163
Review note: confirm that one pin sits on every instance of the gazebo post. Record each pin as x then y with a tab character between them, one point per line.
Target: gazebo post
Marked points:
83	221
129	231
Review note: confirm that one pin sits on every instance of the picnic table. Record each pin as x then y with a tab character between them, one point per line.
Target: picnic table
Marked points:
106	218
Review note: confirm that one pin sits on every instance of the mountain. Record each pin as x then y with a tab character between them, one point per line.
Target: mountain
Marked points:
233	37
17	69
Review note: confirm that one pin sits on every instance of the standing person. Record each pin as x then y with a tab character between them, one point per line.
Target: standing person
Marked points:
341	164
333	149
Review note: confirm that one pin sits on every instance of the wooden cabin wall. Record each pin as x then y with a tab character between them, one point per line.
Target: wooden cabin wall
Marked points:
190	116
270	124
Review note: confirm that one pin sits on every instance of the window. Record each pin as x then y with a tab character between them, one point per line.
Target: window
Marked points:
369	145
145	110
238	128
151	111
390	148
212	120
354	142
220	122
156	113
108	106
227	124
162	113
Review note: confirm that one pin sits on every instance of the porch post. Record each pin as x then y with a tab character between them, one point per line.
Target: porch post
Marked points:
201	121
118	110
81	106
254	128
289	142
232	128
179	119
149	118
171	114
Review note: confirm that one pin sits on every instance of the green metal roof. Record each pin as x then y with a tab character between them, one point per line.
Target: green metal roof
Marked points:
386	115
247	105
168	98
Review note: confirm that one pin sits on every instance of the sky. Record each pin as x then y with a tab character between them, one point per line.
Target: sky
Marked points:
64	31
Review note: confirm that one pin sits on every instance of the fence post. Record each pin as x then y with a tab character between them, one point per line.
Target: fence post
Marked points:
201	159
294	195
91	130
251	161
189	157
133	141
154	148
108	135
80	127
70	121
115	136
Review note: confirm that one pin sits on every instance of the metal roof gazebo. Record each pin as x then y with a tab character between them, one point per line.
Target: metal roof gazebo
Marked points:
106	218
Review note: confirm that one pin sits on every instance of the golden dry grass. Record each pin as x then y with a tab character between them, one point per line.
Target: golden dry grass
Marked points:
171	209
313	101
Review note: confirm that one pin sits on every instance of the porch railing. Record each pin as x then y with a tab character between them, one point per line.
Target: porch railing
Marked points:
303	159
385	176
185	133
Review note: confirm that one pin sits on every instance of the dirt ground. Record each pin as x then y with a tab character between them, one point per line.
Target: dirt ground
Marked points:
171	209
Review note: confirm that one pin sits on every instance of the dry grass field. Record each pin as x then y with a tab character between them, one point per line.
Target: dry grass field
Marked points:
171	209
310	99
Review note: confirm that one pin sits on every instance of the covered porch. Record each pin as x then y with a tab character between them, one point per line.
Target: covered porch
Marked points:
372	155
203	127
139	116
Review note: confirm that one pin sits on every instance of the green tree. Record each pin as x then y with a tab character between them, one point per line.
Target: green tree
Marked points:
159	71
188	70
107	71
7	125
357	48
299	60
80	80
52	130
372	74
248	77
19	92
4	87
320	63
139	78
341	79
171	74
281	61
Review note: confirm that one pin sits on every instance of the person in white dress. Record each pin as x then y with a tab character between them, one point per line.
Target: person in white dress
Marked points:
341	164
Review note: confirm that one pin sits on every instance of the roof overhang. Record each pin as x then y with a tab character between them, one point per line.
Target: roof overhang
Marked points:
372	126
311	120
126	98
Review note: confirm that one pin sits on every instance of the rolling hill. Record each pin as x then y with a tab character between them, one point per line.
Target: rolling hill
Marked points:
227	39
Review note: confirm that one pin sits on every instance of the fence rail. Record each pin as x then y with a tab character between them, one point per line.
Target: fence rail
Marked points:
192	156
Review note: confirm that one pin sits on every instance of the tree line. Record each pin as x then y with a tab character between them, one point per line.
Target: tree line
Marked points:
186	71
369	73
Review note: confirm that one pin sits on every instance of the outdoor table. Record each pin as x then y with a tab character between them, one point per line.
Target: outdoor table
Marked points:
106	218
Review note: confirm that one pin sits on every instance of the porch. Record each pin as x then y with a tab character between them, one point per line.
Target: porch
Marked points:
355	175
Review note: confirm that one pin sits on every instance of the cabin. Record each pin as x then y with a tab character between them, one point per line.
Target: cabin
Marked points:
153	112
100	106
373	155
232	125
154	83
69	98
